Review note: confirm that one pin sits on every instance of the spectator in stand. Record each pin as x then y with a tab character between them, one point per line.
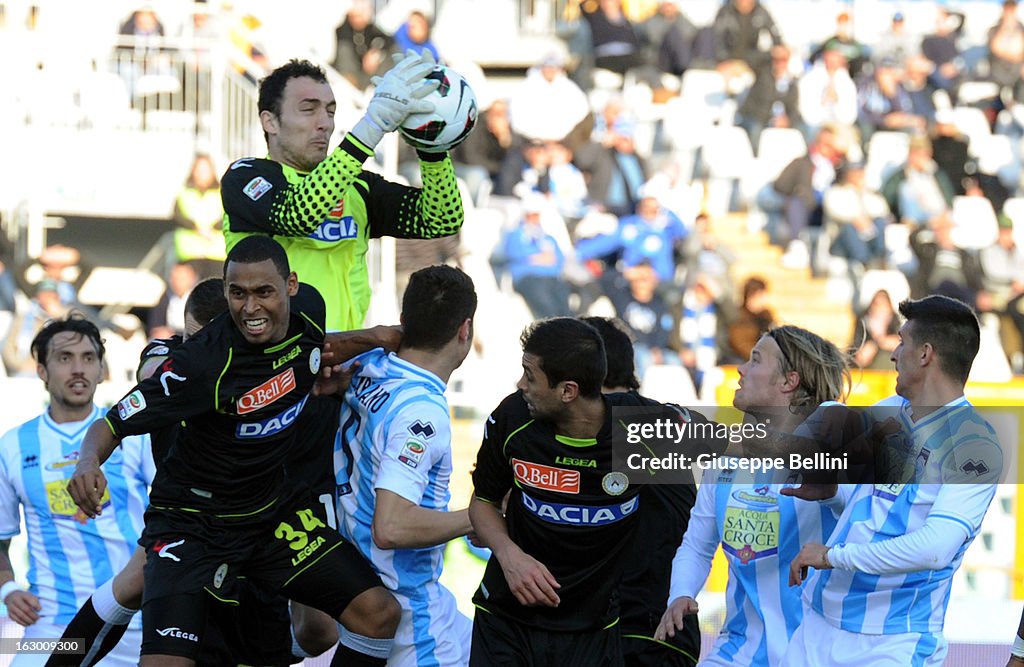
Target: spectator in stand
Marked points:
536	263
411	255
827	94
896	44
885	103
773	100
639	304
920	192
860	214
363	49
8	306
616	45
628	170
487	149
753	318
566	184
45	306
200	218
701	326
668	39
546	105
1006	48
943	51
744	34
705	254
415	34
950	151
876	333
167	317
650	236
1003	264
917	81
943	267
803	184
856	53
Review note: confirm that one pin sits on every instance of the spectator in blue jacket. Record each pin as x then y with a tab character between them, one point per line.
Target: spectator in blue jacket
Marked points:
651	235
536	262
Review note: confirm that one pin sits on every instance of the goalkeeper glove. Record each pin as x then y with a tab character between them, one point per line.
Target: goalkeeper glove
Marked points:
399	93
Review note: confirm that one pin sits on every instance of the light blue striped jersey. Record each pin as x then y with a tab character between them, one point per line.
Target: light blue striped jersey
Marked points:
396	435
70	556
761	532
958	460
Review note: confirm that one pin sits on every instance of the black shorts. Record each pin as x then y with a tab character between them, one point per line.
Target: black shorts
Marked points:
195	560
642	651
257	631
500	642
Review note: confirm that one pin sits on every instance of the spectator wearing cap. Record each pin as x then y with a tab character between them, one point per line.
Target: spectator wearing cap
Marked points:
628	169
1003	264
885	104
773	100
827	94
942	50
897	43
855	52
701	329
859	215
1006	47
919	193
536	262
942	266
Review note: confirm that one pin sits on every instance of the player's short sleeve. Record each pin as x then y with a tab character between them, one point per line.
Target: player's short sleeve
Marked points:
178	389
975	458
10	517
415	442
492	476
964	504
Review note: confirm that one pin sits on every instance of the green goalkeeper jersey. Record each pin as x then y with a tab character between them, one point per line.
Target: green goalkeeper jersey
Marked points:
326	218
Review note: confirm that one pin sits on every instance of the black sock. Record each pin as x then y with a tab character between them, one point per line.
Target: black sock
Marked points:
346	657
99	638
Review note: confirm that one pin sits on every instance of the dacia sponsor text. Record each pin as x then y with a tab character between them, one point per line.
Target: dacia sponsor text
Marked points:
580	515
271	425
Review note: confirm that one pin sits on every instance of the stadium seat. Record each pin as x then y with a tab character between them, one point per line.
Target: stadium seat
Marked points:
974	222
703	86
668	384
727	158
778	146
886	152
996	156
973	123
875	280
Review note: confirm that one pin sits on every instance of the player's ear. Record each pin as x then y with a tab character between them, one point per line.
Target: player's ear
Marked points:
293	284
269	122
570	391
466	330
41	373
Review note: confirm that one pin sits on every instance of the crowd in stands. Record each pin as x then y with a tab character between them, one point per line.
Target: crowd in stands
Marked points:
893	161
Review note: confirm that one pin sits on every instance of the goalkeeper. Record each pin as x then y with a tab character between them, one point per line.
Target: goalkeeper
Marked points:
323	208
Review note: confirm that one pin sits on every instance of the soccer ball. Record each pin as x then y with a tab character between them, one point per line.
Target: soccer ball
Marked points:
453	116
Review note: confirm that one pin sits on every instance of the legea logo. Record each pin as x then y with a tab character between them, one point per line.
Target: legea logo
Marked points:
177	633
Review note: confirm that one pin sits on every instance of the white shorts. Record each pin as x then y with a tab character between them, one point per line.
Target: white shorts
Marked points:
818	643
125	654
442	631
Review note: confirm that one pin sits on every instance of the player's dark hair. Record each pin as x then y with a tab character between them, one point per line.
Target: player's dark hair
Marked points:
436	302
206	300
950	326
568	349
618	349
258	248
272	86
75	323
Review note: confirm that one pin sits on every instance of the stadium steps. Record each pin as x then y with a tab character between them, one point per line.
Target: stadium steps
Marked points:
796	297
